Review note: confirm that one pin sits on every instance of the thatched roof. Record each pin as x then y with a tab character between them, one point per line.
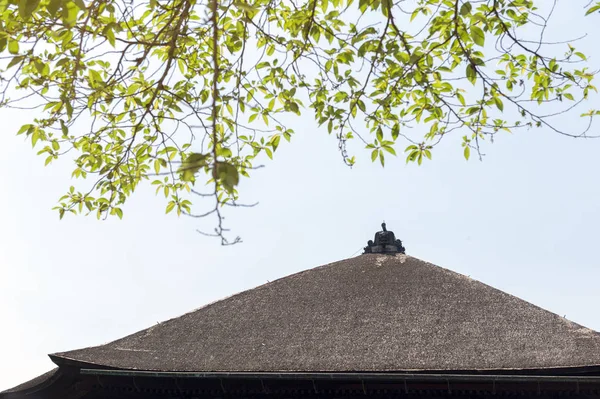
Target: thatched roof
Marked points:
37	382
370	313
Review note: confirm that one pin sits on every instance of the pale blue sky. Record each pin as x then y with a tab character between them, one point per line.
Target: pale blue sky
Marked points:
526	220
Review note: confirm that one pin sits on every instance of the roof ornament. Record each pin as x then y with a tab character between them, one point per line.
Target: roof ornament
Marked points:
385	243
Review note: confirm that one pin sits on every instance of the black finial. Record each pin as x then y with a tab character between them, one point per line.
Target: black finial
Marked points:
385	242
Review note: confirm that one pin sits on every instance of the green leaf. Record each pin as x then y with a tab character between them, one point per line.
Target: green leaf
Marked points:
471	74
275	142
191	165
465	9
35	136
25	128
593	9
110	36
15	61
227	174
13	48
390	150
245	7
53	7
294	108
27	7
170	206
361	105
69	13
467	152
499	103
414	14
64	129
395	131
477	35
80	4
379	134
412	156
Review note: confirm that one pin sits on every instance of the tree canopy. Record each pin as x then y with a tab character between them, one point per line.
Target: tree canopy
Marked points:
191	96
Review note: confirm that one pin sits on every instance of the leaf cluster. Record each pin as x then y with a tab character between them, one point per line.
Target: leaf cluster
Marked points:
190	94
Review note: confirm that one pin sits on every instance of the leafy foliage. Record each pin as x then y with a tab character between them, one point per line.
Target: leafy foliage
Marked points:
188	93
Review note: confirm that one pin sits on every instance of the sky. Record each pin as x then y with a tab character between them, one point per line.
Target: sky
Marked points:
524	220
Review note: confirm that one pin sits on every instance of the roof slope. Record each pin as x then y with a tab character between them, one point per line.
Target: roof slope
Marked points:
37	382
369	313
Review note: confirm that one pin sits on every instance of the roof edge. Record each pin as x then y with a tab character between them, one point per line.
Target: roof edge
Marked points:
89	367
345	376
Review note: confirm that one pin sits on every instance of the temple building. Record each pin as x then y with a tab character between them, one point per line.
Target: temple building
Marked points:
381	325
